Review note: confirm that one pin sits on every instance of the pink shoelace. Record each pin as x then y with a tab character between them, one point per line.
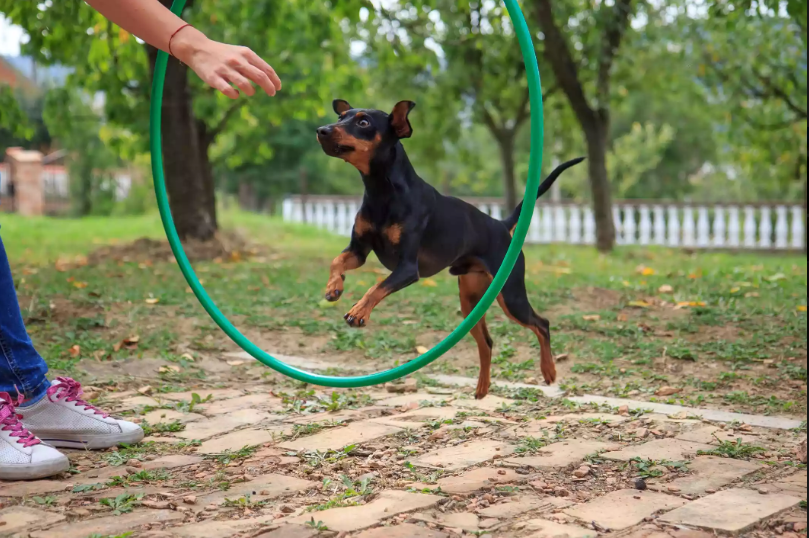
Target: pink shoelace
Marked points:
10	421
70	390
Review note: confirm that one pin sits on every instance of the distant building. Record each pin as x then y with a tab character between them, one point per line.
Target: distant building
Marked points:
24	71
11	76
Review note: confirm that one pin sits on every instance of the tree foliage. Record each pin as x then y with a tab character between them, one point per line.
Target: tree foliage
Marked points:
676	100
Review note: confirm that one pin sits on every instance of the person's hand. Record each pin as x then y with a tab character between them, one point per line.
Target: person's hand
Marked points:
220	65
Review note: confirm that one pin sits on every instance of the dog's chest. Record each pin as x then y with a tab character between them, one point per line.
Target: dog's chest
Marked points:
386	241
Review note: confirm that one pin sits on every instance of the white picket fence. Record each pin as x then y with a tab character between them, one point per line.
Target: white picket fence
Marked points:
773	226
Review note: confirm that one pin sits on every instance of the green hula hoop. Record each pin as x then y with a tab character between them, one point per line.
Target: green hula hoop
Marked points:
534	170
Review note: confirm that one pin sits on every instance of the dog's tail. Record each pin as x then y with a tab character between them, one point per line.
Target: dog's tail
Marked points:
511	220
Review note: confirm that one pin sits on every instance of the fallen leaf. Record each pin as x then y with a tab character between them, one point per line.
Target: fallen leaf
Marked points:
145	390
429	282
752	294
689	304
152	300
594	317
645	271
666	288
80	285
802	308
776	277
127	343
639	304
326	304
666	391
187	356
236	363
75	351
623	317
562	357
421	350
735	290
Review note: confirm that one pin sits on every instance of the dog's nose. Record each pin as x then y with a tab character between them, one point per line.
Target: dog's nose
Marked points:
323	132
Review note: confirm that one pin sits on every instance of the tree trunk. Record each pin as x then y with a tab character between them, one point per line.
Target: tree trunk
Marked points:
189	180
805	216
505	142
208	183
84	198
596	134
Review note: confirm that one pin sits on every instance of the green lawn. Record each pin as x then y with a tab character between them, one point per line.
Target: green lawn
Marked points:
739	342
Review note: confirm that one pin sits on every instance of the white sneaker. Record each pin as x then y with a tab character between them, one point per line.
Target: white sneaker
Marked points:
22	455
64	420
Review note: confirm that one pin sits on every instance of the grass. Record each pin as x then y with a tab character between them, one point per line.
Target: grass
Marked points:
737	449
722	347
162	427
122	504
648	468
531	445
346	493
316	458
229	456
308	402
244	503
141	477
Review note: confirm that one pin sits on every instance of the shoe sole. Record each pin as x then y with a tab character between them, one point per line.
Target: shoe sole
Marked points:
90	442
34	471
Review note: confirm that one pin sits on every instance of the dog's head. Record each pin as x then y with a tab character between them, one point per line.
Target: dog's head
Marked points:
360	134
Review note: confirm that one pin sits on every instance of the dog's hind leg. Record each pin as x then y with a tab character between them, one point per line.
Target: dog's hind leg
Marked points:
513	300
472	286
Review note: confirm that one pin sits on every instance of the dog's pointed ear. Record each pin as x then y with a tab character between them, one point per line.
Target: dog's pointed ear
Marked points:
340	106
398	118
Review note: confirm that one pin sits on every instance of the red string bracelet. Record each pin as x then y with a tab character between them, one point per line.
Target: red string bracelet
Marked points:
181	28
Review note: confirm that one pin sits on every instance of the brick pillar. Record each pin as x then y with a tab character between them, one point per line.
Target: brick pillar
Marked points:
26	174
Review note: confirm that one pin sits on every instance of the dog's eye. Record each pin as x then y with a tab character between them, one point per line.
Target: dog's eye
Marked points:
364	123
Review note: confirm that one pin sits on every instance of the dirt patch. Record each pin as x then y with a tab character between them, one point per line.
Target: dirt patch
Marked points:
59	310
717	333
225	246
589	299
593	298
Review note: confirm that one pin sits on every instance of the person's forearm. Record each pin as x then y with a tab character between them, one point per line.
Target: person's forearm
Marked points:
147	19
219	65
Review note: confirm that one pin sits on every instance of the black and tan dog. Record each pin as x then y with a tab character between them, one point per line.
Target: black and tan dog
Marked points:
416	232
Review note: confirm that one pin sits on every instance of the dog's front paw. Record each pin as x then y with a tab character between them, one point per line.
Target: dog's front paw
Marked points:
358	316
548	371
334	289
482	389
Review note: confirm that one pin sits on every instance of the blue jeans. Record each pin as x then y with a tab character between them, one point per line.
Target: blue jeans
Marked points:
22	369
